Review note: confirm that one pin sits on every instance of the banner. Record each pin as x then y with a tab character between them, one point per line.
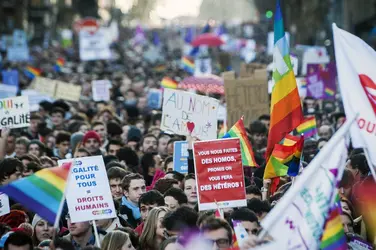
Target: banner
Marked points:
4	204
180	157
94	46
88	193
314	55
155	99
101	90
10	77
219	174
7	91
247	95
321	81
14	112
57	89
18	54
189	114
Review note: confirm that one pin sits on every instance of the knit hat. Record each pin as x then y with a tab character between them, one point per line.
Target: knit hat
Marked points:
134	134
35	221
91	135
27	228
75	139
14	218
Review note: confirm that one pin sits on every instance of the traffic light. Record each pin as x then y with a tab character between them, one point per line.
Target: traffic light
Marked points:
269	14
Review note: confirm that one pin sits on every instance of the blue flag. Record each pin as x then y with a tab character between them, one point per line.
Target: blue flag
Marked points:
10	77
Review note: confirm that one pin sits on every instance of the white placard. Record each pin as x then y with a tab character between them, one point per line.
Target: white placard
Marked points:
7	91
14	112
203	67
94	46
314	55
17	54
4	204
88	193
101	90
183	110
35	98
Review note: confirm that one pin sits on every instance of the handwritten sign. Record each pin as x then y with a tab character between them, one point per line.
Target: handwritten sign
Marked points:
219	171
94	46
101	90
155	99
4	204
88	194
180	157
7	91
247	96
67	91
189	114
14	112
44	86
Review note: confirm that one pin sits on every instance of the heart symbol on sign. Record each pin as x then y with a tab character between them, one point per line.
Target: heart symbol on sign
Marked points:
190	126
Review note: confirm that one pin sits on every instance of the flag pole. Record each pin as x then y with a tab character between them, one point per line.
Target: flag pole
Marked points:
96	234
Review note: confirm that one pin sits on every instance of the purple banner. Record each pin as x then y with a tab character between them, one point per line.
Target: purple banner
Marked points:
321	81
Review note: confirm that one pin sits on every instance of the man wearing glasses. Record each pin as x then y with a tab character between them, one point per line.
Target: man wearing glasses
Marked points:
218	233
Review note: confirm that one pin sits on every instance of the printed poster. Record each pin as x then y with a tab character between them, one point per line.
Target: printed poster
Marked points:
180	157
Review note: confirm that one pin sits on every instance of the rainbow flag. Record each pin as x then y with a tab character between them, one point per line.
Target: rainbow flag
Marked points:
290	140
32	72
333	237
367	205
188	64
238	131
59	63
168	83
42	192
329	92
308	127
285	110
222	131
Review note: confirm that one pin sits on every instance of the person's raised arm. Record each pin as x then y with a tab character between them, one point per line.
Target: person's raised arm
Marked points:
3	142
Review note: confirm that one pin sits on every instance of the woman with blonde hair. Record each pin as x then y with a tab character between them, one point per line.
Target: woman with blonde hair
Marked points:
152	235
117	240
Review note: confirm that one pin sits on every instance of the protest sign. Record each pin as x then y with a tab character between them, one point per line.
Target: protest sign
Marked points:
7	91
94	46
180	157
247	95
4	204
314	55
189	114
18	54
10	77
67	91
14	112
101	90
6	42
203	67
155	99
88	192
35	98
321	81
66	38
19	38
44	86
219	174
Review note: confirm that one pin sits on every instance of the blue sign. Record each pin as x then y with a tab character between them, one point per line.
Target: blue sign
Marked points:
155	99
180	157
7	91
10	77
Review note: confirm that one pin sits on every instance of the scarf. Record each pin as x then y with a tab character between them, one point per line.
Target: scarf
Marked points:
135	210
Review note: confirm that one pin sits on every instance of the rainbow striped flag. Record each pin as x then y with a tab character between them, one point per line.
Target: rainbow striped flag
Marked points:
368	204
222	131
188	64
32	72
308	127
286	110
42	192
59	63
238	131
329	92
168	83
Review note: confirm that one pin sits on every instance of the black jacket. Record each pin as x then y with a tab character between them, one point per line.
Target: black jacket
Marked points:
127	215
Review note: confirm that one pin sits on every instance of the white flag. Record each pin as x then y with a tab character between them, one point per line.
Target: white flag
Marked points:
298	219
356	63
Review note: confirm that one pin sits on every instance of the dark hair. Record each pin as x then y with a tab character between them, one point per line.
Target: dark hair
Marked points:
126	182
116	173
167	161
205	215
35	116
113	164
58	110
264	117
4	228
146	162
62	137
18	239
162	185
114	142
151	197
359	162
176	175
212	224
84	150
173	140
42	148
23	140
33	166
90	248
96	123
257	127
30	157
253	189
321	140
148	136
63	244
258	206
177	194
182	218
129	156
132	235
347	180
189	177
244	214
9	166
168	241
107	159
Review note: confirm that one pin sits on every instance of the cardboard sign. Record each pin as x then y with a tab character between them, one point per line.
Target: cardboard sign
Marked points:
67	91
180	157
14	112
94	46
4	204
219	174
7	91
10	77
101	90
44	86
88	192
35	98
189	114
247	95
155	99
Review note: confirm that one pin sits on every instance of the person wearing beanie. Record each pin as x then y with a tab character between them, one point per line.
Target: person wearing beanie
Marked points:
92	142
42	230
76	140
14	218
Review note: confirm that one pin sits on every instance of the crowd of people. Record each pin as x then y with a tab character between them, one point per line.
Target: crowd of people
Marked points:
156	206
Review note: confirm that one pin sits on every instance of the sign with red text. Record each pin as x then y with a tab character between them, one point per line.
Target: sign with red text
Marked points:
184	113
219	174
88	193
14	112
